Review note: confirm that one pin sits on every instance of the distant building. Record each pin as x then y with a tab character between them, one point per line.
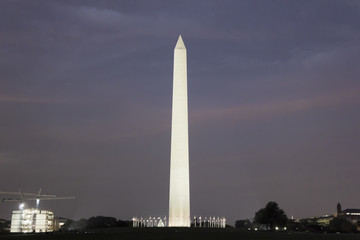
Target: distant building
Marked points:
338	208
32	220
324	220
352	215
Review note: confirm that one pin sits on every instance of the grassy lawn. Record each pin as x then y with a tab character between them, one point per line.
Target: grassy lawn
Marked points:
180	233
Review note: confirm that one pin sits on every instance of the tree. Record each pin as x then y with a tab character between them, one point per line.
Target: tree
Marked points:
271	216
243	224
94	223
101	222
122	223
4	224
342	225
71	225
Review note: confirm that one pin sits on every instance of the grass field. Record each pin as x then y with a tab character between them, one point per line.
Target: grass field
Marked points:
179	233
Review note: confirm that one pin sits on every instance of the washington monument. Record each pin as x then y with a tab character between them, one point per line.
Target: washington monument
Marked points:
179	200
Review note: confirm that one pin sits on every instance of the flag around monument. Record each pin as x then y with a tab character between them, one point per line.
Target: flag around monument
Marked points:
179	199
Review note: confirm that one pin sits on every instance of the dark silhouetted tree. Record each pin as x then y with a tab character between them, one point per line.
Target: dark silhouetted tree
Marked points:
68	225
342	225
101	222
122	223
4	225
243	224
71	225
94	223
271	216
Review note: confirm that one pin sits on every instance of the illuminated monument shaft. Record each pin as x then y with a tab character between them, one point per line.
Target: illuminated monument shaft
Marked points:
179	202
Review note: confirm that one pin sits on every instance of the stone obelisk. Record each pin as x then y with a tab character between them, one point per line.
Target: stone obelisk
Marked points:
179	201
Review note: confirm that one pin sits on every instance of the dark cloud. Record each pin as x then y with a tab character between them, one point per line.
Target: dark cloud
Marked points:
85	99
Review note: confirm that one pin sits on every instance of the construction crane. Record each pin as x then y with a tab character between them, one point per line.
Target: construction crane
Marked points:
24	197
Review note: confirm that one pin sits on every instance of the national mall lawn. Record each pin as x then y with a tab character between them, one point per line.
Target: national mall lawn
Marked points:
180	234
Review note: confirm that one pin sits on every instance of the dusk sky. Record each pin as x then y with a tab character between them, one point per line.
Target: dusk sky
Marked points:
274	105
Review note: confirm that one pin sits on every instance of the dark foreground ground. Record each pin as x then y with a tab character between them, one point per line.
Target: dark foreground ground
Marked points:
180	233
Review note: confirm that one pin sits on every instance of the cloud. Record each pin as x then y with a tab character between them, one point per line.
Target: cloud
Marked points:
25	99
274	109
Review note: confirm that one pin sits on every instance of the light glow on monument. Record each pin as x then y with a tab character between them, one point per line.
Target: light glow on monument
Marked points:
179	199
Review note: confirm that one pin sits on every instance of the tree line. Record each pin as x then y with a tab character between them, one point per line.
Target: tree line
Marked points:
95	223
273	218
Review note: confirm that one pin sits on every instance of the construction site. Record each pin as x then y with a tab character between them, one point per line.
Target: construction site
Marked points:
34	219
